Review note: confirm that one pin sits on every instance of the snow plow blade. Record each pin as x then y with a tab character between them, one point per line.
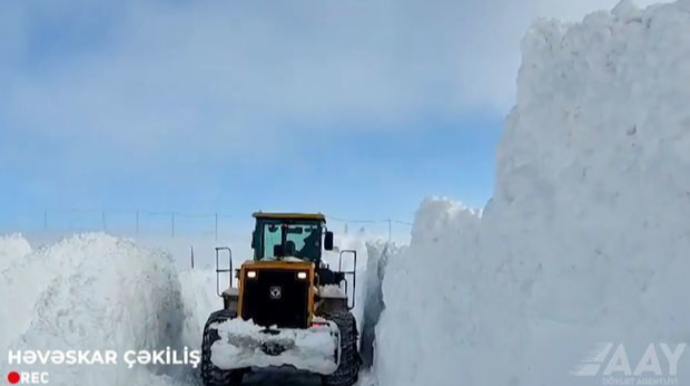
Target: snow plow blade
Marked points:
242	344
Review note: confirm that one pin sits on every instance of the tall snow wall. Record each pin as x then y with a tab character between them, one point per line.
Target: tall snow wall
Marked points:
379	252
96	292
587	237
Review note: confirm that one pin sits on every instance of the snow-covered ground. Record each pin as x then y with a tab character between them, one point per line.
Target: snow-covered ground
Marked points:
586	239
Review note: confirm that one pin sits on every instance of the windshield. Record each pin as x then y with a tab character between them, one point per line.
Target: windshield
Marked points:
302	241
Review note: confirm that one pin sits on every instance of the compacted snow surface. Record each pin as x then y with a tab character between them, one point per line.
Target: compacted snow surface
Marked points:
587	237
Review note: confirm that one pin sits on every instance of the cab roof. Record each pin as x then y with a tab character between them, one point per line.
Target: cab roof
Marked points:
291	216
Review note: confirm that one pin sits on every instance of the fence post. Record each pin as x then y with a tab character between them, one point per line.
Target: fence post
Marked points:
192	256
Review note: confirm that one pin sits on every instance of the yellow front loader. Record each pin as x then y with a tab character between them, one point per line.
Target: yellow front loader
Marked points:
289	308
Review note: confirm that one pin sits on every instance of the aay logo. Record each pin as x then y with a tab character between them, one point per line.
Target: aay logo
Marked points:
276	293
590	365
616	368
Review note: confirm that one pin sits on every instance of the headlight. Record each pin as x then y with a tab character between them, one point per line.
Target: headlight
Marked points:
251	274
302	275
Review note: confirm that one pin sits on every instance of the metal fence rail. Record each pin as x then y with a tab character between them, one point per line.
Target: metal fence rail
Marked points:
160	223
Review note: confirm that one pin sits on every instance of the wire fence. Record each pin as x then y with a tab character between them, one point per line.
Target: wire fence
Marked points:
168	223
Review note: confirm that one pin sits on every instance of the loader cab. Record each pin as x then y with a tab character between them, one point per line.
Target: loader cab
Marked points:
290	236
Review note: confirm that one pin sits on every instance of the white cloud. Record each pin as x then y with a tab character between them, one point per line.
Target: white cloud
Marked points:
194	74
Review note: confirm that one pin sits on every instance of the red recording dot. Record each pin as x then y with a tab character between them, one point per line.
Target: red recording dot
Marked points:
13	377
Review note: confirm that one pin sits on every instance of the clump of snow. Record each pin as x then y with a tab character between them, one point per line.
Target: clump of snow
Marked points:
242	345
13	248
587	236
332	291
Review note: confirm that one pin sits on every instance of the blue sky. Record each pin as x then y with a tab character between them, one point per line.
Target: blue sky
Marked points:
355	108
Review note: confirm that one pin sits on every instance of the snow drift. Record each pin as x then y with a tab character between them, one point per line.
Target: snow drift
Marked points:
587	236
92	292
332	259
198	293
379	252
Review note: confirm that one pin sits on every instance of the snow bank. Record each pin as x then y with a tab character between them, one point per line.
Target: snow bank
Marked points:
92	292
587	236
379	253
198	291
351	243
427	292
